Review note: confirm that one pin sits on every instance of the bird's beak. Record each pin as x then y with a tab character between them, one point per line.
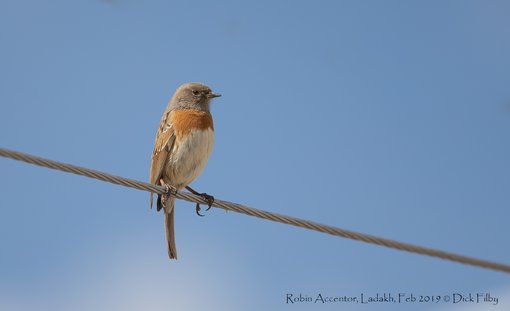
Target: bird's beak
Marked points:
213	95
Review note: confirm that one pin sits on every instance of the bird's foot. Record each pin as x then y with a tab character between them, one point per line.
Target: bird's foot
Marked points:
206	197
163	198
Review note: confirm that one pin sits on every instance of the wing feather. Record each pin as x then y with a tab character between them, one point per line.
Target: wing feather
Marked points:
165	139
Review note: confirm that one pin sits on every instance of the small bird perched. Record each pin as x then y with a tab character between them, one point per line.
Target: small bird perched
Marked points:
183	144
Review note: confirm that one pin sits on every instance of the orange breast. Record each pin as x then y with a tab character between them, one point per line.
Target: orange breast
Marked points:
186	120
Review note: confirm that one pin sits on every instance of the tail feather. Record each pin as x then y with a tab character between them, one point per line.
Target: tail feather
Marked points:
169	228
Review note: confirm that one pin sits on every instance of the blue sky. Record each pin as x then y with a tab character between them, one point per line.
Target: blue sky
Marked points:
389	118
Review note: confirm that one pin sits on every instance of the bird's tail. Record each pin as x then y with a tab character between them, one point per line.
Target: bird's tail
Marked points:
169	228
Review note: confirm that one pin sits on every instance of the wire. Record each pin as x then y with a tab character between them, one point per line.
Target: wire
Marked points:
127	182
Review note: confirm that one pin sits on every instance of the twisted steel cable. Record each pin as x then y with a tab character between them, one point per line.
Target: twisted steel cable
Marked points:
127	182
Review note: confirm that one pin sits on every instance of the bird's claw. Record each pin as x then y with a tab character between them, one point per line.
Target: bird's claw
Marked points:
198	209
210	201
163	198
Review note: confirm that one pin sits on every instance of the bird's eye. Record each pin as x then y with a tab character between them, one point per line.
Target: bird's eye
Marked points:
195	92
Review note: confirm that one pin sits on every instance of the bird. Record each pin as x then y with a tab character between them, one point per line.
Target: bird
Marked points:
184	142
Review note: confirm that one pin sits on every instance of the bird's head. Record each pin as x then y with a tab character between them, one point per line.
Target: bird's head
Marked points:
192	96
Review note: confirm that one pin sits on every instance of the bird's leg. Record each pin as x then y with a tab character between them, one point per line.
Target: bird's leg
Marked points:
162	199
208	198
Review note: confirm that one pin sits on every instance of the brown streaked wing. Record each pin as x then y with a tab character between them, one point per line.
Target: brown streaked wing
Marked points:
163	144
